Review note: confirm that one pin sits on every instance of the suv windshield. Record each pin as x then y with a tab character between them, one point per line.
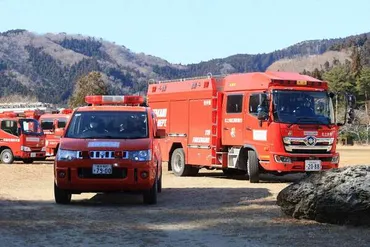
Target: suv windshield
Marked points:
30	127
108	125
309	107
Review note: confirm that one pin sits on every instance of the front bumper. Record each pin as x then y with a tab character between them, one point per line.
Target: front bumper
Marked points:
79	178
32	155
297	163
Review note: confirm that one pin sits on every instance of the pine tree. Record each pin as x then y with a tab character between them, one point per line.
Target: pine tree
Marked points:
91	84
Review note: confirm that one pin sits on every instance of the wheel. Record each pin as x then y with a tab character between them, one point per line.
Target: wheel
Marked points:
150	196
253	167
6	156
160	184
28	161
178	166
232	172
61	196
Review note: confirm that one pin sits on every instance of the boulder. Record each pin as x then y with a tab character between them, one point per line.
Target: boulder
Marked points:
337	196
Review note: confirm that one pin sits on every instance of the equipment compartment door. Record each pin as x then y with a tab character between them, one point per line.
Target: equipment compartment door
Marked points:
232	124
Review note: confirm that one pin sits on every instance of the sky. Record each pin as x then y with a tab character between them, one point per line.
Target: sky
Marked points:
191	31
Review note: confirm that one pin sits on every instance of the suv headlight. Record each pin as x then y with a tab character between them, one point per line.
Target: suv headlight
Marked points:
142	155
66	155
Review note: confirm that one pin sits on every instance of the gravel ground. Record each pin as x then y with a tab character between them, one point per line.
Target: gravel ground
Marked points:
207	210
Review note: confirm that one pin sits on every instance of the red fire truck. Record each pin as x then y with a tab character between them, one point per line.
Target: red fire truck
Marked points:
53	125
109	145
272	122
21	138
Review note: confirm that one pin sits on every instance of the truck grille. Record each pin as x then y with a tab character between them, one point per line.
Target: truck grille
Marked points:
102	154
117	173
308	145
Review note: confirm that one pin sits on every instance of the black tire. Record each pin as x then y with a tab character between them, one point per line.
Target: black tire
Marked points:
178	164
150	196
160	184
28	161
7	156
253	167
61	196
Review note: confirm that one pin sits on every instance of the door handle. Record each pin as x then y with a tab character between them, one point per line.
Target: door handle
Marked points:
226	128
248	128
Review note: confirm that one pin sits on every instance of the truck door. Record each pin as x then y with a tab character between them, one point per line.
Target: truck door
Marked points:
232	124
255	135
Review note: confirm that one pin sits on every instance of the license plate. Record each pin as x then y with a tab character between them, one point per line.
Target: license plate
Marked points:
102	169
33	155
313	165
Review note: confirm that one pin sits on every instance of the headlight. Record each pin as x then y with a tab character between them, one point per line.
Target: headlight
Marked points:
27	149
286	140
66	155
143	155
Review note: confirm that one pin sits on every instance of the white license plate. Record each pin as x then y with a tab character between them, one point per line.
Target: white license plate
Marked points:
102	169
313	165
33	155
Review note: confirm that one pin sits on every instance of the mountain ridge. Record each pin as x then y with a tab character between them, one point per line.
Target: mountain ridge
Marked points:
46	66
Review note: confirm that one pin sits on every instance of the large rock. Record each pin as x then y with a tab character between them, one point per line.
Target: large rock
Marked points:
338	196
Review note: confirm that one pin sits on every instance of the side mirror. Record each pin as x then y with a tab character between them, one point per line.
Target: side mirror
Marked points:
160	133
331	95
262	115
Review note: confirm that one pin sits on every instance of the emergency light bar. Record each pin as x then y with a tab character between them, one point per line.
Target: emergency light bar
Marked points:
66	111
9	114
114	99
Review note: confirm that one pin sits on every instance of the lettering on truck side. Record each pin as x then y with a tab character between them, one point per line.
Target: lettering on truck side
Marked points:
161	113
201	139
233	120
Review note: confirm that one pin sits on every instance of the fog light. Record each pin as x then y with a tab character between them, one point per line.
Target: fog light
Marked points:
282	159
144	175
335	160
62	174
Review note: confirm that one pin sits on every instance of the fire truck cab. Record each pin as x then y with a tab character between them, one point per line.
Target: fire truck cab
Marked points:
252	123
109	146
21	138
53	125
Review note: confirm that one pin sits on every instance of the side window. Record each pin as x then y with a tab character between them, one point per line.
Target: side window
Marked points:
62	122
256	101
234	103
10	127
47	124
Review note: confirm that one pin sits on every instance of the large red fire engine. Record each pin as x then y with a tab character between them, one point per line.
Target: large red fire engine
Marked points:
21	137
274	122
109	145
53	125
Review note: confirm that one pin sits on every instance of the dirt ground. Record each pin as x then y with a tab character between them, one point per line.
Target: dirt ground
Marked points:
207	210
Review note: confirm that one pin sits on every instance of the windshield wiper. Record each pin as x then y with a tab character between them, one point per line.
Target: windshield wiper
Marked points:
317	121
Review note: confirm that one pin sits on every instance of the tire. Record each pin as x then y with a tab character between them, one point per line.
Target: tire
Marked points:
178	165
160	184
61	196
28	161
253	167
7	156
150	196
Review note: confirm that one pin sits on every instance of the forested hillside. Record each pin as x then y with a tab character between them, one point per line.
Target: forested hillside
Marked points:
48	66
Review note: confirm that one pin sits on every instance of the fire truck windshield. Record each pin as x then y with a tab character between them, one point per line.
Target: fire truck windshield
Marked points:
310	107
108	125
30	126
